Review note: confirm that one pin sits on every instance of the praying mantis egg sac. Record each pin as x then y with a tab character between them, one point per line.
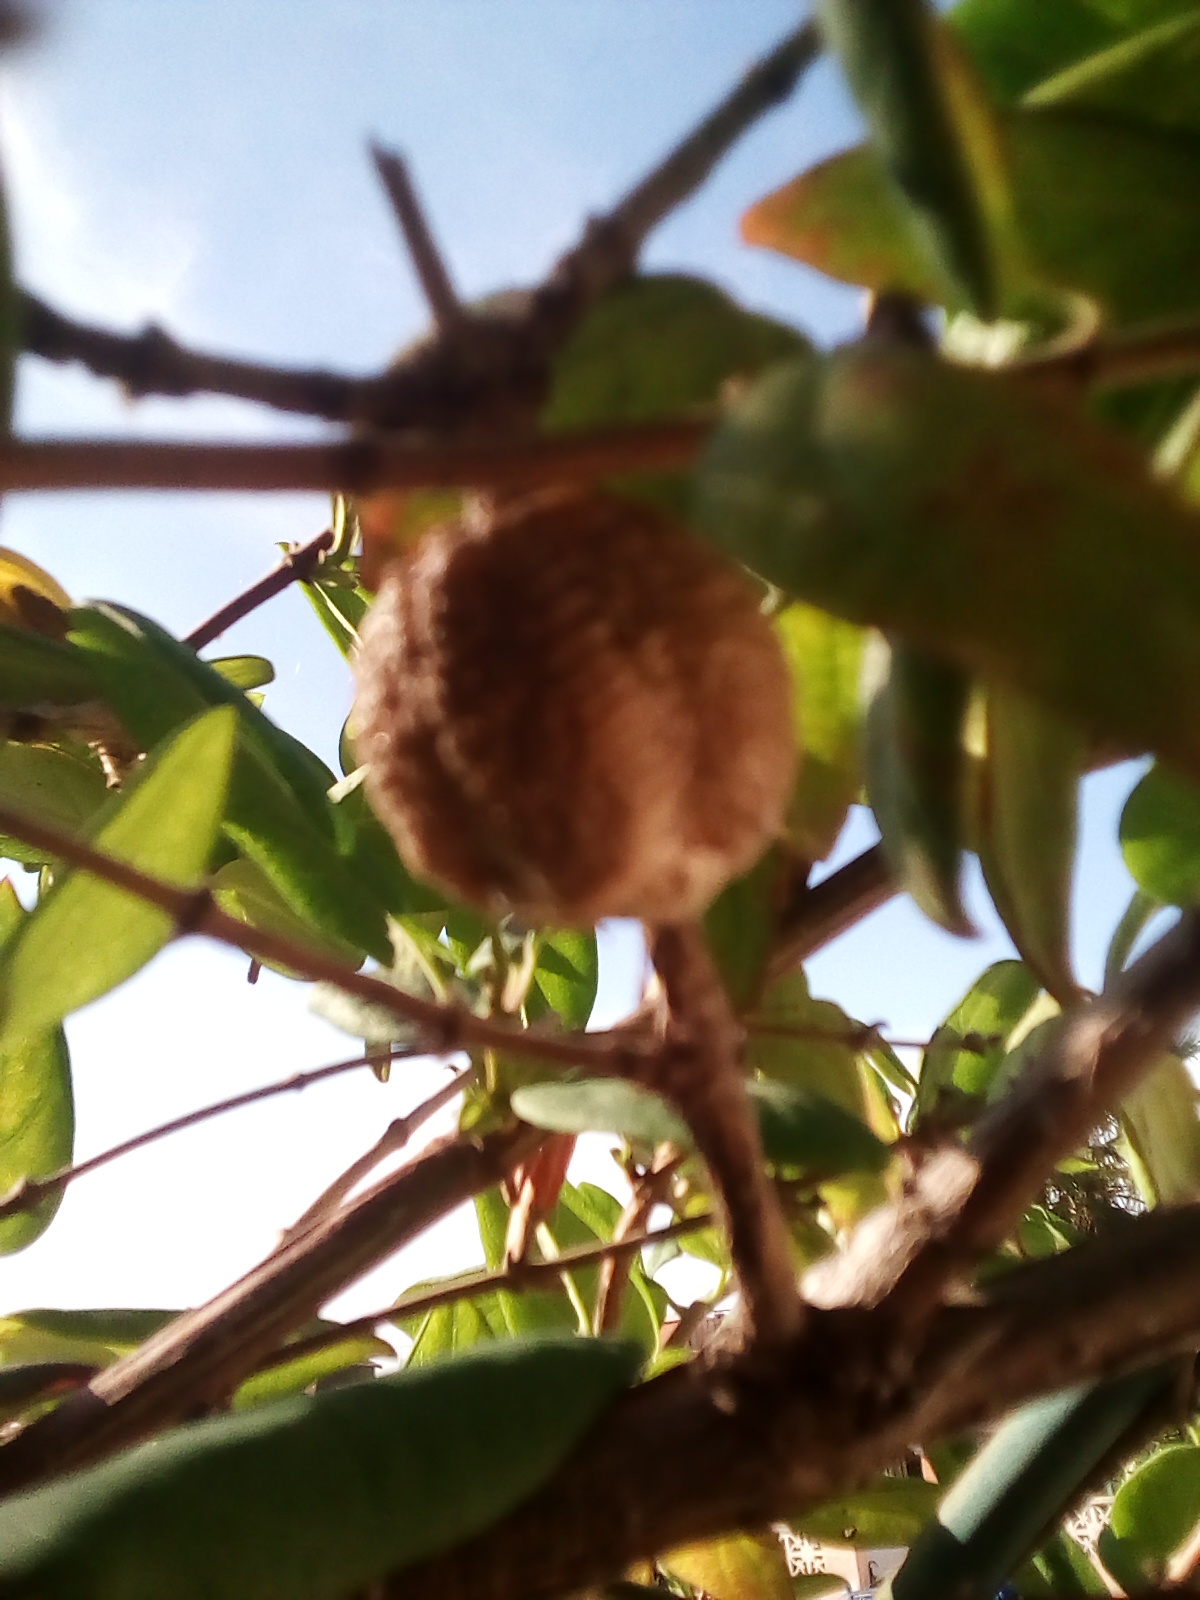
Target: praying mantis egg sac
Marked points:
570	708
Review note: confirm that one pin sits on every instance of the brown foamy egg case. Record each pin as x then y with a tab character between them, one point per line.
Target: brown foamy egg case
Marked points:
571	708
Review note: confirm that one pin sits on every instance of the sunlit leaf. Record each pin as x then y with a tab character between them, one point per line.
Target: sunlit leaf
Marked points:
310	1499
87	936
565	978
601	1105
533	1311
295	1376
1159	1121
1138	913
891	1512
825	655
1017	43
29	597
95	1337
37	1108
739	928
993	526
60	788
1160	837
1153	1512
740	1566
35	671
244	672
1152	76
1027	830
1105	209
966	1052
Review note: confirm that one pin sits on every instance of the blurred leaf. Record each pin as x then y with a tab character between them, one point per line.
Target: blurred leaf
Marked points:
1153	1512
799	1127
933	129
1030	1472
340	607
59	788
807	1042
361	1019
1160	837
1152	76
1105	209
1138	913
370	855
31	1386
37	1108
29	597
740	1566
449	1330
244	672
988	524
653	348
825	655
966	1052
565	978
1040	1233
1028	829
891	1512
1159	1120
293	1377
739	928
242	890
533	1311
601	1105
310	1499
94	1337
916	779
1064	1569
36	671
1016	43
87	936
10	321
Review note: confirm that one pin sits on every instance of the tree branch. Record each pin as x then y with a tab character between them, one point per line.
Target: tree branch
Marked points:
444	1029
819	913
485	365
201	1356
431	270
962	1201
28	1193
692	1454
356	466
299	565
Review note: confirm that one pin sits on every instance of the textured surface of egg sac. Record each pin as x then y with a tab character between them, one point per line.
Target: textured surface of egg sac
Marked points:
572	709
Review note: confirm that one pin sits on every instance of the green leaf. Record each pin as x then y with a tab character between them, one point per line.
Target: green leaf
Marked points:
825	655
739	1566
294	1376
1024	1479
602	1105
87	936
450	1330
1159	1121
37	1109
810	1043
535	1311
1138	913
1027	831
341	607
310	1499
1104	208
244	672
805	1132
35	671
370	855
60	788
800	1128
242	890
930	124
917	779
994	527
1151	77
1160	837
891	1512
94	1337
1153	1512
967	1051
565	979
653	348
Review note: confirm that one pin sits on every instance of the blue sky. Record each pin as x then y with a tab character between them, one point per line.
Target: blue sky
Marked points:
205	166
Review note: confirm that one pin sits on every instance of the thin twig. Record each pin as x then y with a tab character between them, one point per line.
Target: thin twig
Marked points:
445	1029
28	1193
426	257
1117	360
299	565
820	913
614	1274
394	1137
357	466
518	1277
198	1359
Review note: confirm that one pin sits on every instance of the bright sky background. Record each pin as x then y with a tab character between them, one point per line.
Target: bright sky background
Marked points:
205	166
